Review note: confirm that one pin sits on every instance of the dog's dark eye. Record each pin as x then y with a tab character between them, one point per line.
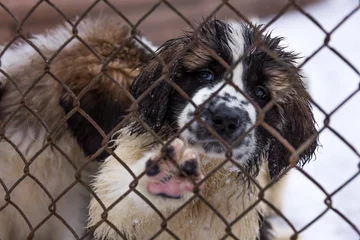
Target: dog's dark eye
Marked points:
261	93
205	75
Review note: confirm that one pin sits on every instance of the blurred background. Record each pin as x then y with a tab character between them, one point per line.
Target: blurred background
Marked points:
329	78
159	26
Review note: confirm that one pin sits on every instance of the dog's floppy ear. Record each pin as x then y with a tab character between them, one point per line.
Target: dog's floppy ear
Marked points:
103	109
298	125
153	106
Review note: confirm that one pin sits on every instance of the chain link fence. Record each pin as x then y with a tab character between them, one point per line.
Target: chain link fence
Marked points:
50	132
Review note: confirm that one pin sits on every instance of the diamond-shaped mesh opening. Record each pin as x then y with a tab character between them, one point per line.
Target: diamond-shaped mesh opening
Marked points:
80	70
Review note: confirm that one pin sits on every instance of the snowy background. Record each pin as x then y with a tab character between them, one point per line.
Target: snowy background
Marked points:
330	81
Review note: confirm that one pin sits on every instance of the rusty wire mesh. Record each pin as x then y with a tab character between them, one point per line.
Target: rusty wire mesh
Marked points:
77	109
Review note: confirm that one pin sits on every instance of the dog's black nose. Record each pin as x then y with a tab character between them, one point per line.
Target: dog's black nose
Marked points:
228	122
225	120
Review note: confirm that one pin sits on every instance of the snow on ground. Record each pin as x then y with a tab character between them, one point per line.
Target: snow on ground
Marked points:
330	81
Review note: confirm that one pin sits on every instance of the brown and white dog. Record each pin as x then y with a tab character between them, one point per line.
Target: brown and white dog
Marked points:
43	87
35	146
201	122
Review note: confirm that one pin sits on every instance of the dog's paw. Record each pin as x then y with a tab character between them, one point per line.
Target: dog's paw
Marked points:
173	173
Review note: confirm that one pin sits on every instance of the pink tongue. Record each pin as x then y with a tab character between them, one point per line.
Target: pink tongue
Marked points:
172	188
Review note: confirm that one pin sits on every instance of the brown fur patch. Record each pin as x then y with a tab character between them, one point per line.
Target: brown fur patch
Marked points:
197	58
76	66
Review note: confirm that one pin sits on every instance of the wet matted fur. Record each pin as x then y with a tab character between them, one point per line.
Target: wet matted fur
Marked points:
29	75
196	151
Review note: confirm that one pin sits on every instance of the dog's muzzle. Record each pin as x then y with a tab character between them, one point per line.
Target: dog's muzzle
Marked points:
228	122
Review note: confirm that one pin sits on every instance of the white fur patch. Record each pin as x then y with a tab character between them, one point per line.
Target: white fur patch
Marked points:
236	45
147	43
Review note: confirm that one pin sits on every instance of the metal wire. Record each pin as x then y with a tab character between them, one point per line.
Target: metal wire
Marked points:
132	188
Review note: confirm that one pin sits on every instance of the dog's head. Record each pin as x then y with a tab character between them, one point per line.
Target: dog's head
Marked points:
226	102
